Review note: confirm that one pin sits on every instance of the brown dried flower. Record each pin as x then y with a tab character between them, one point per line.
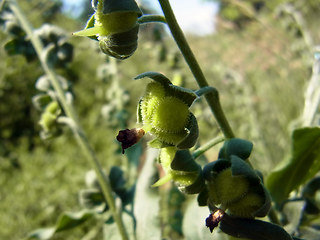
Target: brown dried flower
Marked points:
129	137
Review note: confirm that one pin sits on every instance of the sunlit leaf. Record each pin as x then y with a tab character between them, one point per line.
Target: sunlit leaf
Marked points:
300	167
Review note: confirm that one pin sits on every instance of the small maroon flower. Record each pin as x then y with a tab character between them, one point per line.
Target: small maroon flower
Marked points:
214	218
129	137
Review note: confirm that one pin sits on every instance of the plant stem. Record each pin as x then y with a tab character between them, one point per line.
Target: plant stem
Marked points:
70	113
201	150
212	99
148	18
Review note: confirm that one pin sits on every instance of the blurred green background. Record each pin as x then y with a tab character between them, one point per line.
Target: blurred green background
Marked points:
259	58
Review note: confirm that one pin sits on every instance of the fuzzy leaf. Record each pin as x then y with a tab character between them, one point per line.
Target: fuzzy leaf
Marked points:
70	220
302	165
66	221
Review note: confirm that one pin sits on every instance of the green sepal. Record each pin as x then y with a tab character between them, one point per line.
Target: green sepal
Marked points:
236	146
162	180
211	169
43	83
202	198
186	95
156	143
183	161
111	6
265	208
192	134
40	101
185	169
310	189
205	90
252	229
90	24
196	187
120	45
139	111
158	77
241	168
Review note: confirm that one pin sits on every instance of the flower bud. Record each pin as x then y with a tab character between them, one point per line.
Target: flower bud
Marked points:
235	185
164	112
114	25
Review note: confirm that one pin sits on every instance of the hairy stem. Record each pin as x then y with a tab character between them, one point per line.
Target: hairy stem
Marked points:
71	115
201	150
212	99
148	18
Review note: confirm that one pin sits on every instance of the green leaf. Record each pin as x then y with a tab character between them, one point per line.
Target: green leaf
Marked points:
66	221
42	233
300	167
70	220
92	199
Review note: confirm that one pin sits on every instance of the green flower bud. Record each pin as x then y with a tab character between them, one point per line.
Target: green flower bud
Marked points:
53	108
181	167
235	185
114	25
226	188
48	120
164	112
246	206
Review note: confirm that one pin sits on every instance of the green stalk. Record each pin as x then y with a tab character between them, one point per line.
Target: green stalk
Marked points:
212	99
70	113
149	18
201	150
